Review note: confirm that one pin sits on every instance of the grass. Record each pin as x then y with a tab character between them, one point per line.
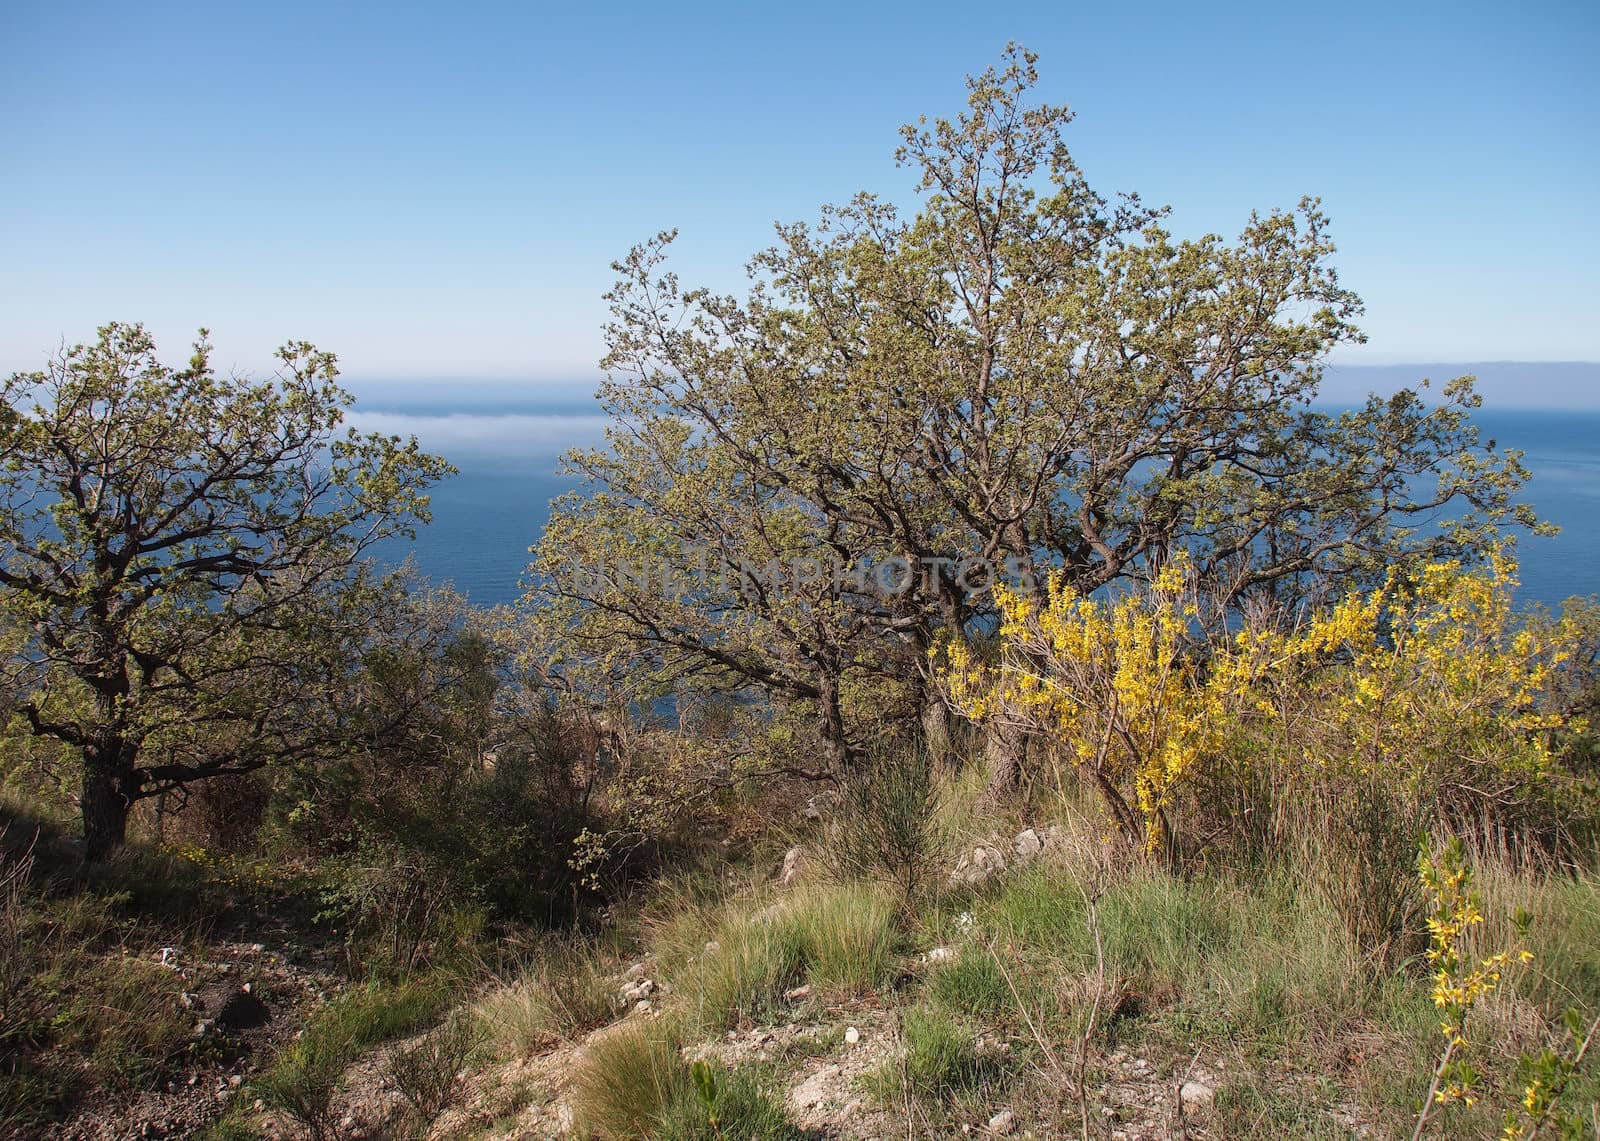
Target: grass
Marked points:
939	1060
727	1105
87	1006
307	1077
566	992
734	961
631	1081
626	1080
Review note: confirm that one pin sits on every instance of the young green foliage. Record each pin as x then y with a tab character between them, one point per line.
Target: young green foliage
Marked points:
183	550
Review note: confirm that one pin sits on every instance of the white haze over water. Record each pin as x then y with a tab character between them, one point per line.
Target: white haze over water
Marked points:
485	518
512	435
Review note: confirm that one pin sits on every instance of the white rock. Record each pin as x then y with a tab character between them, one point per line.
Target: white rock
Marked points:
642	1006
1196	1093
634	972
1002	1123
793	864
939	955
852	1036
1028	845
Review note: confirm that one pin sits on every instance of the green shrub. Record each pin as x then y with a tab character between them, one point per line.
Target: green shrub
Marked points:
887	827
426	1072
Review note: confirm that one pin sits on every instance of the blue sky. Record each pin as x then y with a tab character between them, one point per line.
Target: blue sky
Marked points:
436	192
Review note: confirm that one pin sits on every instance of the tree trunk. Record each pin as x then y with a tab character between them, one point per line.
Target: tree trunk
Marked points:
105	803
835	741
1003	744
936	732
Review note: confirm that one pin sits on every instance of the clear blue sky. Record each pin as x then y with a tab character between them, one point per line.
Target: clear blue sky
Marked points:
438	191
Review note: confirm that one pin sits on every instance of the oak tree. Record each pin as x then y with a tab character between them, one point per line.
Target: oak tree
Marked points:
1022	372
182	554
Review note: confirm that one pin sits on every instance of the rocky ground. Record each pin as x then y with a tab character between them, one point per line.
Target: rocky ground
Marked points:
247	999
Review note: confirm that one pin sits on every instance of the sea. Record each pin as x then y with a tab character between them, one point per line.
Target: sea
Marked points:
486	517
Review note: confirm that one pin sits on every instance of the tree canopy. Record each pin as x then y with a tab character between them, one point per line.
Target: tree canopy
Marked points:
182	559
1023	372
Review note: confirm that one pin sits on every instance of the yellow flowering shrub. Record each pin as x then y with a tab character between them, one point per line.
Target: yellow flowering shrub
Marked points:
1116	682
1430	688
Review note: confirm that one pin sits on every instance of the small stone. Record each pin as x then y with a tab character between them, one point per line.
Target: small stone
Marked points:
1196	1094
798	993
1002	1123
642	1006
235	1080
713	947
1028	844
634	972
852	1036
939	955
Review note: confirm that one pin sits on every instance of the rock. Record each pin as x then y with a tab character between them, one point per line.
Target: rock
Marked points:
1003	1123
1028	845
794	861
798	993
638	991
235	1080
257	948
642	1006
1195	1094
939	955
634	972
978	867
713	947
852	1036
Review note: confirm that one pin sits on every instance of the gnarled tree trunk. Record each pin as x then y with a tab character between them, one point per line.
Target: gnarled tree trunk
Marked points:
109	790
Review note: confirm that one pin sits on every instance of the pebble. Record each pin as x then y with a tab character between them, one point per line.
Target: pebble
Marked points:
1196	1093
852	1036
1002	1123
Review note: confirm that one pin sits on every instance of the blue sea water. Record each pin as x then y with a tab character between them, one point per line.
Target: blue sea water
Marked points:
486	517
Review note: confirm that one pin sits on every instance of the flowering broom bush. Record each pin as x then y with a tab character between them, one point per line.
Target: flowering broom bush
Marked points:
1429	691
